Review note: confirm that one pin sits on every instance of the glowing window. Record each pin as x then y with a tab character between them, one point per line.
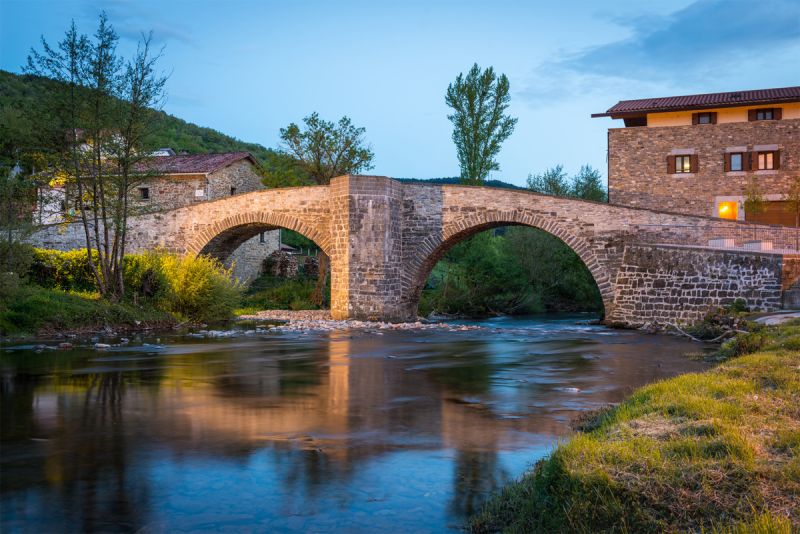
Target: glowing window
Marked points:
728	210
766	161
683	164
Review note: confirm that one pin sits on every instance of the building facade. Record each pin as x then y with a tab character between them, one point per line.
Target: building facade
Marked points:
707	154
173	181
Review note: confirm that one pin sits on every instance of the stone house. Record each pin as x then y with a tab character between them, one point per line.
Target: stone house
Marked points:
177	180
701	154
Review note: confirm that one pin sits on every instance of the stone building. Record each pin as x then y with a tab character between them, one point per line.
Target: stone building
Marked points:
174	181
701	154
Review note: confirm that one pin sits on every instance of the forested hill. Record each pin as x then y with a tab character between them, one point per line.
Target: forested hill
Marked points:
456	180
21	92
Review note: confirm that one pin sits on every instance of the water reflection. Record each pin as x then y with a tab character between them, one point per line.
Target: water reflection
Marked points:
349	431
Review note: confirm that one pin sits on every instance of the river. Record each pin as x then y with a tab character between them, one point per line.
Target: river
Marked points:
350	431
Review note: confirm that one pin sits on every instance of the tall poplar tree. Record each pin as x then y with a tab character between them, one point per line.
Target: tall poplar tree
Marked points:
480	124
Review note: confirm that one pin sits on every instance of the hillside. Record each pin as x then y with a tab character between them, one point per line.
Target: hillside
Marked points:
21	92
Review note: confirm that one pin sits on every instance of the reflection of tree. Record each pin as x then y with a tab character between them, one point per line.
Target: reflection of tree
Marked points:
467	370
476	475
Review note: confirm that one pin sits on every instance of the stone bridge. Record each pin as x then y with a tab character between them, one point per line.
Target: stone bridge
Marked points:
384	236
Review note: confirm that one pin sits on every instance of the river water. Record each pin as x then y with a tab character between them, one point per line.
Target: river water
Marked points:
351	431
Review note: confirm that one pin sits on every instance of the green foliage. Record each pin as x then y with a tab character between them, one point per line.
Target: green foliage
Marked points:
34	308
713	452
480	124
200	289
323	150
586	185
68	271
516	271
273	293
296	240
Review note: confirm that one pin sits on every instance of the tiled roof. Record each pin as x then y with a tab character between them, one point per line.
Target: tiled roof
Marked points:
193	163
757	97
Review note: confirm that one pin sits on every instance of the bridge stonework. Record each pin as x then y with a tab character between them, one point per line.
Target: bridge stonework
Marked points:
383	238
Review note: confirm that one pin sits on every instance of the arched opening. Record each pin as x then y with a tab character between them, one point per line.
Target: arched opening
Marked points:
508	267
278	265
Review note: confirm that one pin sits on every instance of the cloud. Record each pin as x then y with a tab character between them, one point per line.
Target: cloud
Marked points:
707	43
131	20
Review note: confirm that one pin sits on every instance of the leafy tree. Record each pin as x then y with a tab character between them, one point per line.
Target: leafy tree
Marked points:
321	151
553	181
102	121
588	185
324	150
480	124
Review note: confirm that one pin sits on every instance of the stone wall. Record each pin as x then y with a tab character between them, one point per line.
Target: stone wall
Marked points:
247	260
674	284
637	163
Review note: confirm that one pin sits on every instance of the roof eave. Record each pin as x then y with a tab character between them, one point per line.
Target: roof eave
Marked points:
639	113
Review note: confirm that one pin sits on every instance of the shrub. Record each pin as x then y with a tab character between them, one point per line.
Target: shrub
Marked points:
200	289
145	280
58	269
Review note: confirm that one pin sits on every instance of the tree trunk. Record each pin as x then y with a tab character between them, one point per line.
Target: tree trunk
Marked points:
322	275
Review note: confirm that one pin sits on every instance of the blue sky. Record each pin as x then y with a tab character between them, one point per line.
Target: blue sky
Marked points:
248	68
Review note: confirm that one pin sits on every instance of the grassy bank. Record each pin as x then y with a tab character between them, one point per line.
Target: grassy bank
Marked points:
39	310
717	452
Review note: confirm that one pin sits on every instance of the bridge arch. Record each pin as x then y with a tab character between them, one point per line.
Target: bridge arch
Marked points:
221	238
431	250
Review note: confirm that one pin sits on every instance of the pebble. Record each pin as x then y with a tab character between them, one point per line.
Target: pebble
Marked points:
102	346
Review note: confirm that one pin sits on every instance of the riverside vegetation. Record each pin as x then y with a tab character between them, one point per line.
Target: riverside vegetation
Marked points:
717	451
51	291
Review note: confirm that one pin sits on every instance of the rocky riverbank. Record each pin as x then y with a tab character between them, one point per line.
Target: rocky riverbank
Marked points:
321	321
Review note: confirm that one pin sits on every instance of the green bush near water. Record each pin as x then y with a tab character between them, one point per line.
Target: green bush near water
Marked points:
705	452
274	293
61	292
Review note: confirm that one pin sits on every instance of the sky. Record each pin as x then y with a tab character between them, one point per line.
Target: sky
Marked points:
248	68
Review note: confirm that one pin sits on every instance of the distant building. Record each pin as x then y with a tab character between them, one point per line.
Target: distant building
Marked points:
163	152
697	154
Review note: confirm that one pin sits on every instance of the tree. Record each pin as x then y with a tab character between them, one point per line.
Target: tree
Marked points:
480	124
553	181
324	150
103	116
321	151
588	185
754	202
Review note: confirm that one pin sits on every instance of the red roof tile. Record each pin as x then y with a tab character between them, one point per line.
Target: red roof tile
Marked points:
193	163
709	100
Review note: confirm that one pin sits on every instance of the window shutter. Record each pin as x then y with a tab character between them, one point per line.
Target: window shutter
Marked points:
670	164
695	119
753	160
693	162
751	114
726	165
714	117
776	160
777	113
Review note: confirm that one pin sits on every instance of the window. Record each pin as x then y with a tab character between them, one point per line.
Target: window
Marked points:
233	191
764	114
707	117
144	193
736	161
261	238
766	161
683	164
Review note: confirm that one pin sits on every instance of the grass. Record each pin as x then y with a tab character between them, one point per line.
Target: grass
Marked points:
706	452
275	293
34	309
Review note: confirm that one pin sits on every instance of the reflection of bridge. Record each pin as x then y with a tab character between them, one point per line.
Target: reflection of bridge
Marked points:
384	237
